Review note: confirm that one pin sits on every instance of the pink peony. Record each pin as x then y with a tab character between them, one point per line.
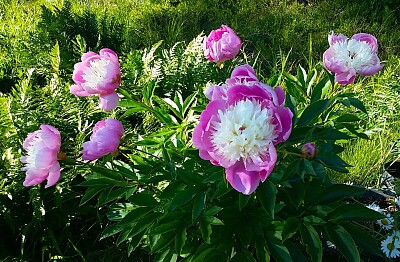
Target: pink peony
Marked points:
221	45
348	57
41	162
104	139
239	132
309	150
98	74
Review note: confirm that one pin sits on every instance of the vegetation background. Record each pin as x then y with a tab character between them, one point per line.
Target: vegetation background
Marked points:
41	40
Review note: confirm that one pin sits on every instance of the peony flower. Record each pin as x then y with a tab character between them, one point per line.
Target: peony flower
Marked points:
240	132
348	57
104	139
221	45
41	162
390	246
309	150
98	74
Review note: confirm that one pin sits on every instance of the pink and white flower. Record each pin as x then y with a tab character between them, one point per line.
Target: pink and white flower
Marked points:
348	57
239	131
41	162
104	139
98	74
221	44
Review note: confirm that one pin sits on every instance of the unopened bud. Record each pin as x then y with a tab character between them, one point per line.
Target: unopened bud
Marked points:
309	150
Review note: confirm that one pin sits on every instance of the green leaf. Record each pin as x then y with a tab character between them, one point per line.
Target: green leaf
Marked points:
180	239
198	206
347	118
243	200
91	192
279	252
262	250
143	199
266	193
318	89
290	228
313	242
311	112
244	256
314	220
336	192
363	239
107	173
206	231
165	227
111	230
148	91
143	224
135	215
343	242
212	211
158	242
354	212
357	104
134	242
183	197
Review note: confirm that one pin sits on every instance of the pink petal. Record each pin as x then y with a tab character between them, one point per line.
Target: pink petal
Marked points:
78	90
332	38
242	180
54	174
345	78
108	102
369	39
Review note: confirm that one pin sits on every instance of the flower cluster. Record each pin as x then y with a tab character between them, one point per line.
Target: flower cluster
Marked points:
240	127
96	74
348	57
390	246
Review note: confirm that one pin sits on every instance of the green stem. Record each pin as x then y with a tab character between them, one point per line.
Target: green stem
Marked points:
289	153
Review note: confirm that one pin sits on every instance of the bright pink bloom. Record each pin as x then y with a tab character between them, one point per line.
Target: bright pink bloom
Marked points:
221	45
98	74
41	162
309	150
239	131
104	139
348	57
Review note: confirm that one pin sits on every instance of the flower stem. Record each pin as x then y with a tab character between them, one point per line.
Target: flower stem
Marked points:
289	153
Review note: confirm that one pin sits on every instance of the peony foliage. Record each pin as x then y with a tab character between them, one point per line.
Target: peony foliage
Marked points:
236	171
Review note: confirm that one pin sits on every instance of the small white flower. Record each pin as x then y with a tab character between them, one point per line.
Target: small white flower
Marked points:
387	222
390	247
330	244
397	201
375	207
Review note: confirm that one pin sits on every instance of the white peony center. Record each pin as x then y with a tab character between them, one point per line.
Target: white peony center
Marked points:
353	53
244	131
95	73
